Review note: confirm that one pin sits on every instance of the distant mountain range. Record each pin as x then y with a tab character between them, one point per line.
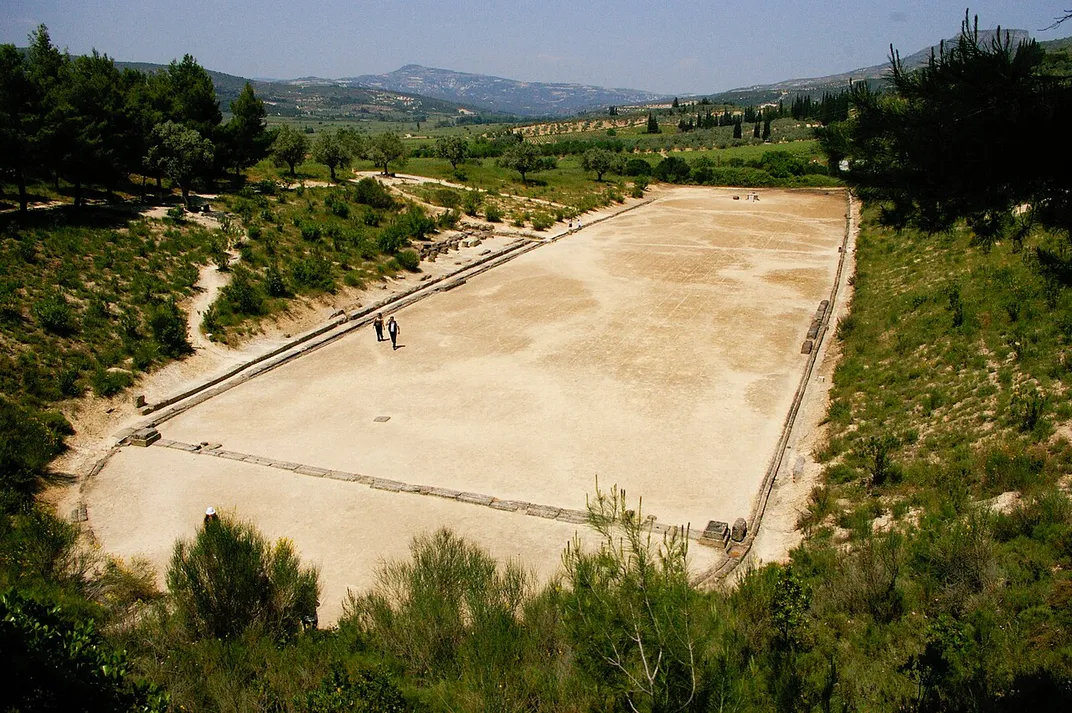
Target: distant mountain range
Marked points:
414	92
504	95
877	74
316	98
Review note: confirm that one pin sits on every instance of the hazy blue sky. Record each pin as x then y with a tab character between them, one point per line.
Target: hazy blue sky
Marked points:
680	46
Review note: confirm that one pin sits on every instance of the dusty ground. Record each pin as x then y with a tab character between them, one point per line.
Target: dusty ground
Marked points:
658	351
801	471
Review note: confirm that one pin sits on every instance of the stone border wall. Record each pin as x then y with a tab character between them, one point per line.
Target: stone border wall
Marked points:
739	550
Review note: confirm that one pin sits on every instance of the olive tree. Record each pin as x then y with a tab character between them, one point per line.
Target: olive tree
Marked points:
452	148
385	149
525	158
600	161
289	148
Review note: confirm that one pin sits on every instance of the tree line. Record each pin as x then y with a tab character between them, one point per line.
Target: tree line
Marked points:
963	138
82	120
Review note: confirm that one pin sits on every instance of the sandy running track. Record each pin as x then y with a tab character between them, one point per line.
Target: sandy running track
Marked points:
658	351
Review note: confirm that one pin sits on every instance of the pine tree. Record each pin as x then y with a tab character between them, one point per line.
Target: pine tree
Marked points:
653	124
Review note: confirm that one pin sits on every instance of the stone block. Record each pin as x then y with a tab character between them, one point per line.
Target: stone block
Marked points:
475	498
740	530
311	470
285	465
807	346
80	513
575	516
139	400
144	437
813	331
506	505
392	486
544	511
445	493
716	533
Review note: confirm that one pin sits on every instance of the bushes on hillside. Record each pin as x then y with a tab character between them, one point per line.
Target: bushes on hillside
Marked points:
28	441
168	326
229	578
372	193
56	661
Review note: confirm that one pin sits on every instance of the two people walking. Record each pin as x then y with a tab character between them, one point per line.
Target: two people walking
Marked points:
392	330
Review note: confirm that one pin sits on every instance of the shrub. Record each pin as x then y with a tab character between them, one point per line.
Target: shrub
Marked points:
54	314
168	326
448	220
451	595
493	214
408	260
875	452
229	578
372	193
274	284
869	580
542	221
109	382
57	661
673	170
336	203
143	355
392	238
370	692
446	197
67	381
1026	407
242	294
960	558
637	167
471	202
313	272
210	320
416	223
845	325
1012	468
636	590
27	443
310	232
218	253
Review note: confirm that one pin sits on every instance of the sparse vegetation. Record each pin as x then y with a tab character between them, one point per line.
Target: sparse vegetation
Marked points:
916	588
